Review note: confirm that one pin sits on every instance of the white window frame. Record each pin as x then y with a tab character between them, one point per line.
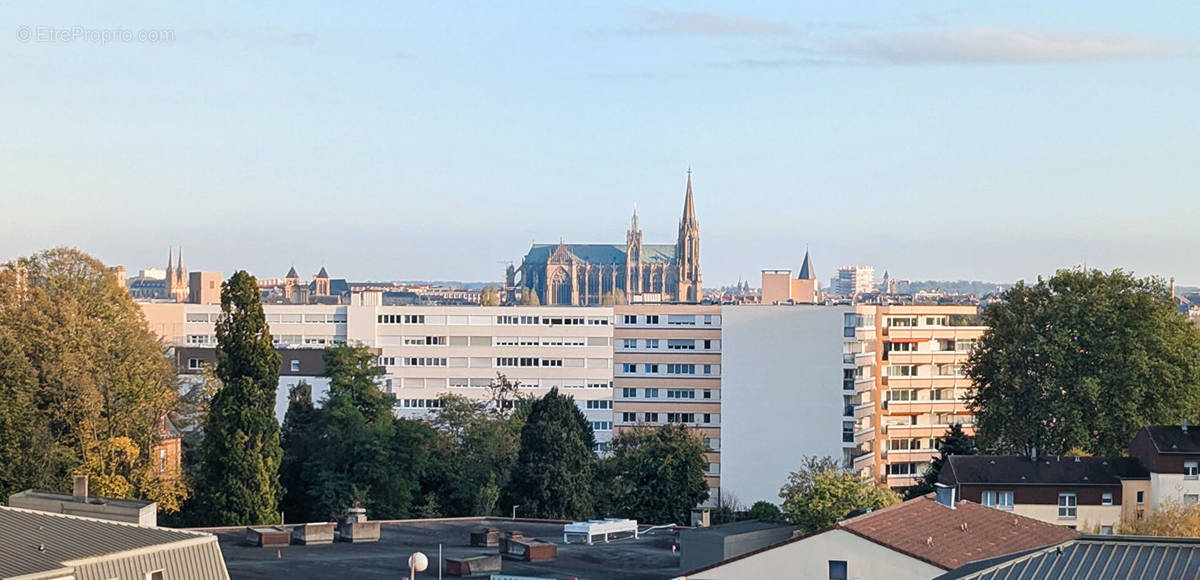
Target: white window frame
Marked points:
1191	469
1068	505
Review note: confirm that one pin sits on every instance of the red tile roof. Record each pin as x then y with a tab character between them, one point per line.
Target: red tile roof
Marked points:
948	538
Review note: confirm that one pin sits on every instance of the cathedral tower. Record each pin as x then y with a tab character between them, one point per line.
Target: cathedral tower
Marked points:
687	249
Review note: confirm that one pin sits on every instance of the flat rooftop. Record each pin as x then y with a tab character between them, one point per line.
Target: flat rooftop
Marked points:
648	557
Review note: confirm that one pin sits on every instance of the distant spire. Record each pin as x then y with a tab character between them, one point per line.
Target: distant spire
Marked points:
292	273
807	271
322	273
689	205
179	263
633	226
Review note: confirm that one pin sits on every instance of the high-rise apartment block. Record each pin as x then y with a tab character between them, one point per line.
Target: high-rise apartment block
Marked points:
667	370
904	376
854	280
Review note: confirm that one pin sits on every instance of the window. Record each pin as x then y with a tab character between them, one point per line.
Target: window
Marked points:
1190	499
651	417
681	319
1191	470
651	343
601	425
902	371
652	368
295	366
900	347
1106	530
902	321
630	343
651	319
651	393
681	394
707	393
195	363
708	369
1141	497
1106	498
902	469
599	404
155	575
681	417
681	344
628	368
679	369
629	393
630	319
1067	505
708	344
998	499
707	418
424	362
629	417
714	469
902	395
838	570
713	443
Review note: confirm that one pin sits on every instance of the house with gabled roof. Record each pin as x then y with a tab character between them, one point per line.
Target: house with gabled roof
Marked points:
916	540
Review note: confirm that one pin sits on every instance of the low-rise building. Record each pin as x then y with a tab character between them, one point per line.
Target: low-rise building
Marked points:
1171	453
36	545
1148	558
916	540
1090	494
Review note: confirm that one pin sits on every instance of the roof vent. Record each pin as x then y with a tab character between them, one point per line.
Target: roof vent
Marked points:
963	527
1185	424
1076	459
929	541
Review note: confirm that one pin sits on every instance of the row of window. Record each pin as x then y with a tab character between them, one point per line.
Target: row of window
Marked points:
601	425
513	361
401	319
671	344
544	341
599	404
667	368
672	319
691	418
419	403
653	393
910	395
939	370
509	320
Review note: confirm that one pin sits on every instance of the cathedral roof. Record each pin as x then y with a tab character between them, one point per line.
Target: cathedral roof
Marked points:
601	253
322	273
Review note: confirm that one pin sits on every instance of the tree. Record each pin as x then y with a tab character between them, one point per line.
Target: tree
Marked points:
819	494
354	459
529	297
102	381
475	447
727	508
299	440
239	482
490	296
25	438
954	442
658	473
552	476
765	511
1170	519
1083	359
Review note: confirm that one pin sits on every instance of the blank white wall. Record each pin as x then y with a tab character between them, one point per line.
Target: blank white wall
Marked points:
781	394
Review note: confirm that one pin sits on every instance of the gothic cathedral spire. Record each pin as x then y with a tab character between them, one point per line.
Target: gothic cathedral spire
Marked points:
687	249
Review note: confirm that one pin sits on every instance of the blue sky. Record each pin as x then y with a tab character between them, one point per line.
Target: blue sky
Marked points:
428	140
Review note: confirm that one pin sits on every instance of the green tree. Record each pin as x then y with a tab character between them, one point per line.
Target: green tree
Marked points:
355	458
820	493
954	442
490	296
658	473
102	381
299	440
239	481
475	449
552	477
1083	359
25	438
765	511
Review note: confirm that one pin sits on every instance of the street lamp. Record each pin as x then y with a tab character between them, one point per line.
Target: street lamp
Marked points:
417	562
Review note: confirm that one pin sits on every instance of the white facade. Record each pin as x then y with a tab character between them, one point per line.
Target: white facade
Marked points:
428	351
1176	487
853	280
813	556
782	394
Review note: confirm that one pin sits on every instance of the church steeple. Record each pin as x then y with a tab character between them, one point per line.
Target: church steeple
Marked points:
687	249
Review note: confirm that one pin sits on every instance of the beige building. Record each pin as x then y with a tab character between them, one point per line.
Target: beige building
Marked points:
204	287
906	366
667	370
778	286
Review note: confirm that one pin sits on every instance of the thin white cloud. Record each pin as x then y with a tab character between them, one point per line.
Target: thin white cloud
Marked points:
997	45
706	24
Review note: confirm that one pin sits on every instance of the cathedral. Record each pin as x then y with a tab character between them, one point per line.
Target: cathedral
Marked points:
594	274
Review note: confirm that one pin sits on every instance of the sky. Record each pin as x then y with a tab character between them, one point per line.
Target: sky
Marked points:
437	140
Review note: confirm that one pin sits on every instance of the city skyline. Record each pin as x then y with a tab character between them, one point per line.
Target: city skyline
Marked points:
424	142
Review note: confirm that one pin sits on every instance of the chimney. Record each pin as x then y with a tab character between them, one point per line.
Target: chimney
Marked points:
944	494
1033	453
1185	424
80	489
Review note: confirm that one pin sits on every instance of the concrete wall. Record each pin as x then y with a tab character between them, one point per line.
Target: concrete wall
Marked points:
781	394
705	546
810	557
1172	486
1088	518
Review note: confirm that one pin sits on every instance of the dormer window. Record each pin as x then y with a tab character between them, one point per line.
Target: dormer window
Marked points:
1191	470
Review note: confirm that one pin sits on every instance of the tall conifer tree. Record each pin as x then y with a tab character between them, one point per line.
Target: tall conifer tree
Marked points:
239	481
552	477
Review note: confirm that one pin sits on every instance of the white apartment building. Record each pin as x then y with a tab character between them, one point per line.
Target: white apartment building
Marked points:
427	351
853	280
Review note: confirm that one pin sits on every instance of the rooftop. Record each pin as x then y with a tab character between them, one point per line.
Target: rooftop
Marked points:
648	557
927	530
1103	558
1173	439
124	504
1021	470
34	542
736	528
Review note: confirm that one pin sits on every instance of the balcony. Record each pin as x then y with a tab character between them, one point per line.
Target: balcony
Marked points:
867	434
864	410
